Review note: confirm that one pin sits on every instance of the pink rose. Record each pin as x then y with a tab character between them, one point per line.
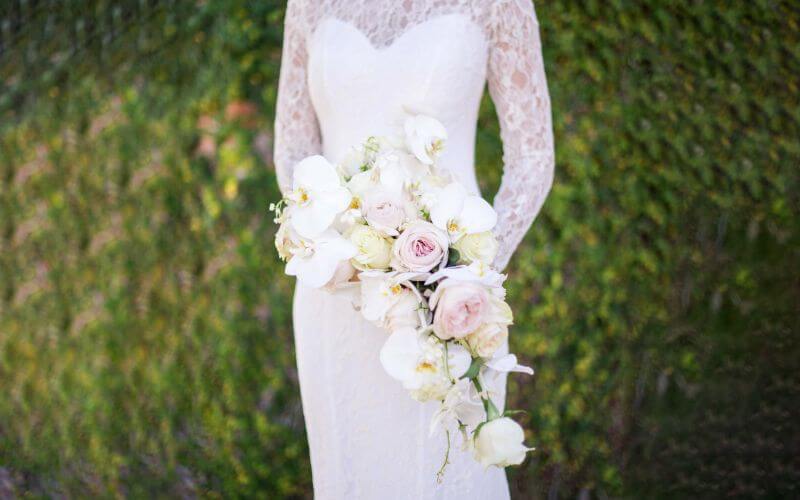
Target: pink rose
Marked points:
460	309
420	247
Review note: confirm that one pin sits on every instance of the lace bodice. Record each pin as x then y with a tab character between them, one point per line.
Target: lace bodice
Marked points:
514	71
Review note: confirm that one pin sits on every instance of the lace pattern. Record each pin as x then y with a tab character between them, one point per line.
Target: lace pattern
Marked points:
516	80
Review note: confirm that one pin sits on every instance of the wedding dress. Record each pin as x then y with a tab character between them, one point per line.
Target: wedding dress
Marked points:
355	68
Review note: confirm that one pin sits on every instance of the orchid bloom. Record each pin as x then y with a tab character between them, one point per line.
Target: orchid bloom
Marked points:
315	262
417	360
461	405
425	137
317	195
507	364
380	291
459	212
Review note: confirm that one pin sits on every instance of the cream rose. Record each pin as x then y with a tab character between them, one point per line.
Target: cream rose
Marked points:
374	251
384	211
420	247
499	311
487	339
460	310
500	442
480	247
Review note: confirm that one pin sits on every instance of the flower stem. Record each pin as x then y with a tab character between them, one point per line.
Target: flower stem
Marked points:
447	372
491	410
440	473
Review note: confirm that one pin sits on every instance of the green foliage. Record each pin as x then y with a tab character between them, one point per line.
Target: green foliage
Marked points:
145	324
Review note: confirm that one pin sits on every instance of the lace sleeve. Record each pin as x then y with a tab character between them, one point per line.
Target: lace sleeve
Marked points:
297	132
518	88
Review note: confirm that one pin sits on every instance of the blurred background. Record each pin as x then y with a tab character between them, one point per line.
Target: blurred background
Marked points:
145	324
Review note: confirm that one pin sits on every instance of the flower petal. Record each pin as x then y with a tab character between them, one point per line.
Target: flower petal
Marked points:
459	359
318	268
311	220
508	363
334	200
477	215
400	353
448	205
315	172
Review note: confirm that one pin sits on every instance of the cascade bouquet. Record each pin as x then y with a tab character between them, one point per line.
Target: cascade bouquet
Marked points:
415	248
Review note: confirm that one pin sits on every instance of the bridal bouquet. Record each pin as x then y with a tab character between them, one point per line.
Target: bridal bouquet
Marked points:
415	249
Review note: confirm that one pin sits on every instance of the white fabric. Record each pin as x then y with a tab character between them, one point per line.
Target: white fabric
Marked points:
355	68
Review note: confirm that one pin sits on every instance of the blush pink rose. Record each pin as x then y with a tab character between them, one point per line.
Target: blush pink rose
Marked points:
460	310
420	247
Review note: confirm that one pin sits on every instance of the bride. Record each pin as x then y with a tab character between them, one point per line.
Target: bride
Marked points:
355	68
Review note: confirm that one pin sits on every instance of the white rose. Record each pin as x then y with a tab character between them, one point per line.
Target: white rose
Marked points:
500	442
487	339
374	251
481	247
425	137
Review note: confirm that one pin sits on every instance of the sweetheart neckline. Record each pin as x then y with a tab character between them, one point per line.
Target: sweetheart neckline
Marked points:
396	40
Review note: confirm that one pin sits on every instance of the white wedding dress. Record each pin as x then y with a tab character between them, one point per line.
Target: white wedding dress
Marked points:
355	68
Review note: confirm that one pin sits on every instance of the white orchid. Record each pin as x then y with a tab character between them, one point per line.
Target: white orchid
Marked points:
461	405
425	137
418	361
382	291
397	170
427	188
458	212
500	365
507	363
315	261
317	196
353	161
477	272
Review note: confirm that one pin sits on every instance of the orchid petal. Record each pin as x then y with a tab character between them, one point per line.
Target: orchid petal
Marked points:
399	354
317	269
458	360
448	205
477	215
315	172
507	364
309	222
